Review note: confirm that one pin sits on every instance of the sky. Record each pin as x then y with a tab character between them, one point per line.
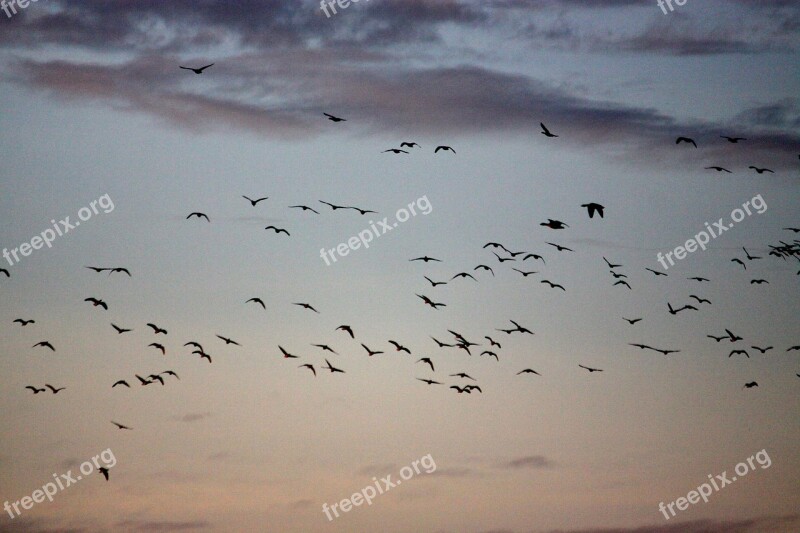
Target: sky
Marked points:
99	124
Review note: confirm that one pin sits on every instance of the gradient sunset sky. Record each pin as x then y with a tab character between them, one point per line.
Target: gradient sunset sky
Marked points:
92	103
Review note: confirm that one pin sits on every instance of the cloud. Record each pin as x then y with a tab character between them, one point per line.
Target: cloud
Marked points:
530	461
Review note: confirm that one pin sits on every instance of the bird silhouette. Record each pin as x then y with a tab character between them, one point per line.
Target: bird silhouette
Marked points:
103	470
119	270
121	382
332	368
484	267
460	389
762	350
171	373
306	306
304	208
325	348
686	140
594	208
426	259
749	257
442	344
750	385
445	148
334	207
719	169
310	367
560	248
528	371
435	283
761	170
492	341
534	256
287	355
158	346
348	329
676	311
119	329
554	285
22	322
34	389
554	224
545	131
698	279
395	151
370	352
44	344
97	303
735	352
333	118
259	301
362	211
399	347
121	426
156	329
758	281
737	260
409	145
611	265
6	272
631	321
428	361
732	140
430	302
503	259
278	230
197	70
53	389
463	275
256	201
228	341
732	336
198	215
490	354
524	273
700	300
429	381
462	375
590	369
623	282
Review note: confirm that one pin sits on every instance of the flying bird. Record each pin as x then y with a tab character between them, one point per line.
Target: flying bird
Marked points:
119	329
96	302
119	270
332	368
333	118
24	322
304	208
255	202
594	208
310	367
120	426
492	341
676	311
699	279
121	382
198	215
362	211
623	282
278	230
700	300
435	283
732	336
554	224
545	131
158	346
591	369
53	389
483	267
370	352
197	70
429	381
524	273
534	256
503	259
460	389
34	389
428	361
686	140
442	344
750	385
44	344
762	350
719	169
737	260
554	285
631	321
103	470
259	301
395	151
735	352
761	170
732	140
758	281
463	275
749	257
462	375
560	248
611	265
399	347
228	341
426	259
156	329
306	306
287	355
445	148
348	329
430	302
528	371
325	348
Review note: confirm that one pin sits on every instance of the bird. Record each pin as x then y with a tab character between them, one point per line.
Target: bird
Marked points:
611	265
737	260
119	329
700	300
310	367
528	371
717	338
796	230
554	224
591	369
121	382
362	211
287	355
534	256
642	346
143	381
750	385
490	354
503	259
492	341
460	389
399	347
554	285
483	267
348	329
435	283
278	230
157	377
34	389
761	170
429	381
623	282
395	151
430	302
171	373
495	245
97	269
733	140
442	344
53	389
119	270
121	426
256	201
735	352
468	388
524	273
325	348
794	348
686	140
749	257
657	273
758	281
618	276
719	169
560	248
676	311
258	301
409	145
227	340
332	368
463	275
462	375
204	355
732	336
333	118
594	208
334	207
762	350
24	322
370	352
158	346
304	208
445	148
425	259
428	361
198	215
521	329
667	352
194	344
631	321
6	272
96	302
698	279
103	470
156	329
197	70
545	131
306	306
44	344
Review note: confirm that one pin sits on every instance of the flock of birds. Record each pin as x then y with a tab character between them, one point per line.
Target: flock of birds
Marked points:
461	381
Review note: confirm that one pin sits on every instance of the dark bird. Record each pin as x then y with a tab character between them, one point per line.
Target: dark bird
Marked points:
524	273
460	389
750	385
618	276
495	245
445	148
194	344
53	389
484	267
156	329
462	375
469	388
348	329
737	260
370	352
697	278
205	356
667	352
435	283
761	170
259	301
44	344
362	211
794	348
96	303
306	306
656	272
642	346
762	350
255	202
409	145
744	352
591	369
521	329
171	373
325	348
503	259
332	368
34	389
228	341
749	257
611	265
278	230
119	329
463	275
158	346
554	285
685	140
425	258
429	381
733	140
545	131
758	281
623	282
103	470
395	151
198	215
676	311
442	344
334	207
492	341
24	322
310	367
286	355
333	118
119	270
143	381
631	321
733	337
430	302
490	354
197	70
399	347
6	272
719	169
120	426
700	300
97	269
156	377
560	248
121	382
304	208
428	361
528	371
554	224
594	208
717	338
796	230
534	256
